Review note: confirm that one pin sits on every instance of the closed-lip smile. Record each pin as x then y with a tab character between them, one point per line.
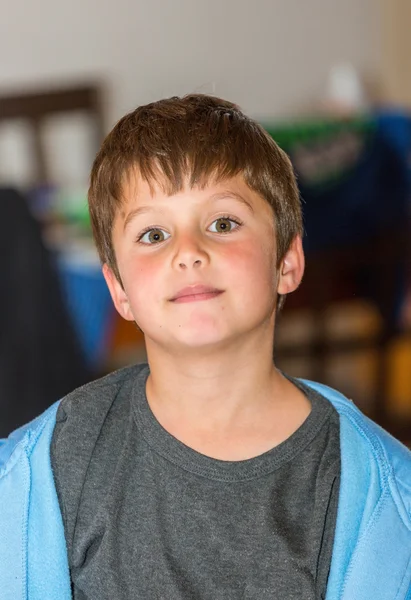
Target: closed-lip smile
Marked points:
196	293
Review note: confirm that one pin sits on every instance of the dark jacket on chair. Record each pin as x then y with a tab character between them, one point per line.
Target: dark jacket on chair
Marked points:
40	358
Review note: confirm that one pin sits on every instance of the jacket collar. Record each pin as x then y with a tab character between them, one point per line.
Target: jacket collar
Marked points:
371	552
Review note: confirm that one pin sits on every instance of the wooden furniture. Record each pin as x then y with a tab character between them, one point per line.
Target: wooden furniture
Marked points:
37	106
333	276
34	108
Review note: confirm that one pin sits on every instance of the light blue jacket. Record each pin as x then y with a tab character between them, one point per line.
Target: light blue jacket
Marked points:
372	547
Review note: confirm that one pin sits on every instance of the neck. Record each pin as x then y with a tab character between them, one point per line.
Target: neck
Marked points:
216	390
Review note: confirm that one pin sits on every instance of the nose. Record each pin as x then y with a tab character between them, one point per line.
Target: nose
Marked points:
190	253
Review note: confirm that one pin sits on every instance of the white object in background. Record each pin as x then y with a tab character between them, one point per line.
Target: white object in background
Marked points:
17	167
344	89
70	148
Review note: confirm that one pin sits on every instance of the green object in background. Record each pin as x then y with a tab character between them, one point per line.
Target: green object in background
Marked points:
72	207
324	151
290	134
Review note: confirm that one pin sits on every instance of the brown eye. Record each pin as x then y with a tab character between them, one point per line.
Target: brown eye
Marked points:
223	225
154	236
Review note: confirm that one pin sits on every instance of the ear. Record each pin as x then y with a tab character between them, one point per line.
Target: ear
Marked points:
118	294
291	268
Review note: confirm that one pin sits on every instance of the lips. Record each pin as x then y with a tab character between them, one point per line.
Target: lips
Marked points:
194	293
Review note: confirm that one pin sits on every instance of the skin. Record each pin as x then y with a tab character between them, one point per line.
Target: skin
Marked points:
213	383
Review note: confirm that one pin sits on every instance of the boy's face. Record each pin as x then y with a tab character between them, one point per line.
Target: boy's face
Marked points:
199	267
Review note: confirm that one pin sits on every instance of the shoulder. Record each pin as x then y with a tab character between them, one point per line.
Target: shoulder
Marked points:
27	437
362	437
95	395
82	413
81	402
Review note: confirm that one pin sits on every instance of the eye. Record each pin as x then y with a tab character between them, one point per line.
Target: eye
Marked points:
224	225
153	236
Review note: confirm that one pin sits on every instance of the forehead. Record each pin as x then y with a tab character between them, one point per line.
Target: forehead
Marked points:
137	192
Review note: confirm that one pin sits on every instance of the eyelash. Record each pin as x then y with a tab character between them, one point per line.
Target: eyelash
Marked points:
229	218
146	230
151	228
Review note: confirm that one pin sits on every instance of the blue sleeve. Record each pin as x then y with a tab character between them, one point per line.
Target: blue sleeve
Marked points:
33	554
7	445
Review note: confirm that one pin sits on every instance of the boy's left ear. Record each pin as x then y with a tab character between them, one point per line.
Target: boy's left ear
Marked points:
291	268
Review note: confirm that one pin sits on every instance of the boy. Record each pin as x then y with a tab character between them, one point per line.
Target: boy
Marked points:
207	473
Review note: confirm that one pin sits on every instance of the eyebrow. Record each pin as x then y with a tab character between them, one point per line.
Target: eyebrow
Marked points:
234	196
214	198
134	213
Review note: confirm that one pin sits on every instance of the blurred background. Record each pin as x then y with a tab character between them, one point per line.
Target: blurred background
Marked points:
330	81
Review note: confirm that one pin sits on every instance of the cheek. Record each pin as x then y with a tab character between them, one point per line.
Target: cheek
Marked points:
252	264
141	279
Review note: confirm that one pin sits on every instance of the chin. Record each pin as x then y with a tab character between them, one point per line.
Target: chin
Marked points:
193	339
197	340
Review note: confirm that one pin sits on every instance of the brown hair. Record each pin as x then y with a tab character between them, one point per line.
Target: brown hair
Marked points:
177	141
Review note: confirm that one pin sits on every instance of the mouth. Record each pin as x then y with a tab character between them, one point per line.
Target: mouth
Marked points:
196	293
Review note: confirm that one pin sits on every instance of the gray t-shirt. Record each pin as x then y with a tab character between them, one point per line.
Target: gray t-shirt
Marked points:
149	518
